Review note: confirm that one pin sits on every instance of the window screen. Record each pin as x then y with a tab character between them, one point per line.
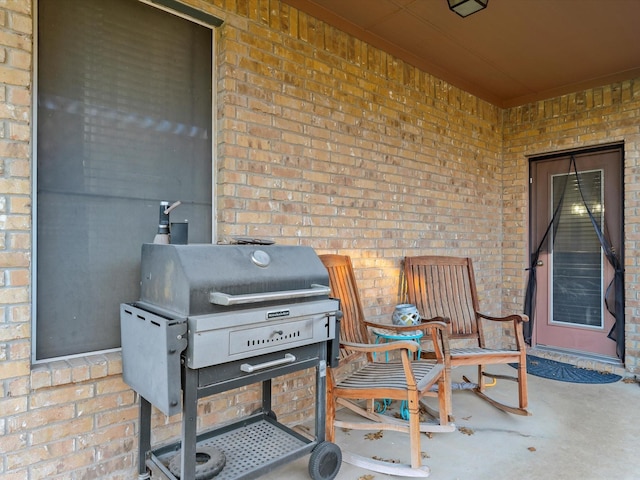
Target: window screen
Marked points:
124	121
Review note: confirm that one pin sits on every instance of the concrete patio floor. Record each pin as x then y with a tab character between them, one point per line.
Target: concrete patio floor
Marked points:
576	431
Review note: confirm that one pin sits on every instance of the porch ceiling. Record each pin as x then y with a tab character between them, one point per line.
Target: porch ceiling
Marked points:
511	53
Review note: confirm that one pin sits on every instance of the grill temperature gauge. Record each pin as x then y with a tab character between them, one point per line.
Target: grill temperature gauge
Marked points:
261	258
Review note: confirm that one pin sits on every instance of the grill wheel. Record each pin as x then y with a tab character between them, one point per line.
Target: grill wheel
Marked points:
325	461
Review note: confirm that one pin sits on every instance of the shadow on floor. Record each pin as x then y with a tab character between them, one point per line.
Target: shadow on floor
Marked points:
576	431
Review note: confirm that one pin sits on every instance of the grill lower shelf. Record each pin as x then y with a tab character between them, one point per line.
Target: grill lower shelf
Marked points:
251	448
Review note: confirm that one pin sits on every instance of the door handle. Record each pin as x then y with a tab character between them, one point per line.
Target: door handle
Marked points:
539	263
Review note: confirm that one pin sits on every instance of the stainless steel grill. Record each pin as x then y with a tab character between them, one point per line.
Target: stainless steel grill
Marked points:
215	317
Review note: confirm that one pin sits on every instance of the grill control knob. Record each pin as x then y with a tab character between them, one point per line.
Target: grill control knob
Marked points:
261	258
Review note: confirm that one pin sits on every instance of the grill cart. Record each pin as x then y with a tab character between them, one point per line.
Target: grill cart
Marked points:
212	318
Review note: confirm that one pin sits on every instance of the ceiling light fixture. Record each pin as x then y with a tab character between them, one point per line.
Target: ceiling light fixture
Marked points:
464	8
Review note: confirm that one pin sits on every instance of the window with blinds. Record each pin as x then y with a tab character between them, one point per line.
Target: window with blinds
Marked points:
124	120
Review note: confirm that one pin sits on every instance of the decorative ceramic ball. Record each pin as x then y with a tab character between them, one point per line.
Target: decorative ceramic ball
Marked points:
405	314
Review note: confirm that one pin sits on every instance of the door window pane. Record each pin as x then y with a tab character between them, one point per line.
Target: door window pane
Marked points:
577	257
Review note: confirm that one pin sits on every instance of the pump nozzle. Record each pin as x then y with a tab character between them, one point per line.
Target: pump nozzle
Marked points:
162	236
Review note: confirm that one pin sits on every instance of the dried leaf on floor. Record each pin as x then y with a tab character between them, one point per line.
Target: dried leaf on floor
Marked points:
374	436
366	477
425	455
466	431
388	460
532	449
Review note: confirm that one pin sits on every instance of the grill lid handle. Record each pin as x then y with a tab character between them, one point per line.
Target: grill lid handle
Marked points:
219	298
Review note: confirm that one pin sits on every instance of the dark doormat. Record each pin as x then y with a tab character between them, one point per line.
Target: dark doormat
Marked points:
564	372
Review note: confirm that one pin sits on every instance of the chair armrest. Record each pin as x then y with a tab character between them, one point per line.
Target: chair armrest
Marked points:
424	325
517	317
435	329
404	346
446	320
439	338
409	345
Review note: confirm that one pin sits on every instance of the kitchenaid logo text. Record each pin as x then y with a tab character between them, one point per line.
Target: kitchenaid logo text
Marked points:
278	314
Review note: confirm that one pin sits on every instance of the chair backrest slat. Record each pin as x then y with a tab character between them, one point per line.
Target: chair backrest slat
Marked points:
343	286
444	286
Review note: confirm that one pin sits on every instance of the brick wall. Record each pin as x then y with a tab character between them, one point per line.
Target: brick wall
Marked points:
322	141
325	141
599	116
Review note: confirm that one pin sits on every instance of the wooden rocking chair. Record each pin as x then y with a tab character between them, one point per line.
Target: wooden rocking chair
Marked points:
445	286
360	378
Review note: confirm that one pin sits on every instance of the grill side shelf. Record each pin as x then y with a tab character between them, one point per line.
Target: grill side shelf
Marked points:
151	348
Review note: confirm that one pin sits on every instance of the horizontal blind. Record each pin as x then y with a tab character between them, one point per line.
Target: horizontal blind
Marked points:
577	257
124	121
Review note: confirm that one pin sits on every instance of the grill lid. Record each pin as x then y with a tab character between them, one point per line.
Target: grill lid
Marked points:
198	279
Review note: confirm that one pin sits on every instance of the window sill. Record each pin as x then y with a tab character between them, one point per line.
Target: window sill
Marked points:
75	370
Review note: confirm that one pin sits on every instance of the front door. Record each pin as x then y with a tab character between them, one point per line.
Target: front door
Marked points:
572	270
